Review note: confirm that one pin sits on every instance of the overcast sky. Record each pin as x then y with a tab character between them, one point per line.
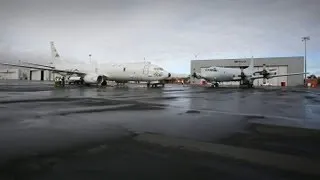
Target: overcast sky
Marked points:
167	32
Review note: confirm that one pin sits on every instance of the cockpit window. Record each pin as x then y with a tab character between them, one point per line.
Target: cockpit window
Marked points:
158	69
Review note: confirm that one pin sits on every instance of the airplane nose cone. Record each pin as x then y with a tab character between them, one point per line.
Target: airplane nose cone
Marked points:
169	74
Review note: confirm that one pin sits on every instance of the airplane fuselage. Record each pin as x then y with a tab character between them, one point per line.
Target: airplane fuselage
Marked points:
220	74
134	72
122	72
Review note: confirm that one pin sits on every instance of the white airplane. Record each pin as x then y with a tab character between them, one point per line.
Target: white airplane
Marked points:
121	73
215	74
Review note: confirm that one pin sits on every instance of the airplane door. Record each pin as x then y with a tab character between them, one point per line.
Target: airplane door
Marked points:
146	69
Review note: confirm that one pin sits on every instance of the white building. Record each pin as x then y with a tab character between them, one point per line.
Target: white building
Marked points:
9	73
25	74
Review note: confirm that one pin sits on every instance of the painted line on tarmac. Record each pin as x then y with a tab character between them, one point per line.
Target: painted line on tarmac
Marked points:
265	158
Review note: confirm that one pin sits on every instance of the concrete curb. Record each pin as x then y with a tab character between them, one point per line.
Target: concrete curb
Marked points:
265	158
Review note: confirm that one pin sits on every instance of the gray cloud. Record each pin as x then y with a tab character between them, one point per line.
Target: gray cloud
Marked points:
168	33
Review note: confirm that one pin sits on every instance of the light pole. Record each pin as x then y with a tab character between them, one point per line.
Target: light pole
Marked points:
305	39
90	58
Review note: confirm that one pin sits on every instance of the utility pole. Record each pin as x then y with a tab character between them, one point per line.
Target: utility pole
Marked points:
305	39
196	55
90	57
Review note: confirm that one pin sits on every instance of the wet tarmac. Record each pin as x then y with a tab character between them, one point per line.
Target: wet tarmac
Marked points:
88	133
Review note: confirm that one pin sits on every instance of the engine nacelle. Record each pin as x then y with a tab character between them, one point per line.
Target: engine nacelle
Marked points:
94	79
75	78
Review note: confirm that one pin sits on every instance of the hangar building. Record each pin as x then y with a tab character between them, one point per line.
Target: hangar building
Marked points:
40	75
12	73
283	65
7	73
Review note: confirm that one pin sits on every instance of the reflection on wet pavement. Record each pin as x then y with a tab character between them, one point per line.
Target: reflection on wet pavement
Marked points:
54	120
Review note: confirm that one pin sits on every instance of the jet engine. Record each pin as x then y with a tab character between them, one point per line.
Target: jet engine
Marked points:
95	79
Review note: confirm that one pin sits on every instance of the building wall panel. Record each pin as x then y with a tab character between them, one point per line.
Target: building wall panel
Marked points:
9	73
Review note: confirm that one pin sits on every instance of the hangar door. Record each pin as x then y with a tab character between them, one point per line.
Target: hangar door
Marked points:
273	81
35	75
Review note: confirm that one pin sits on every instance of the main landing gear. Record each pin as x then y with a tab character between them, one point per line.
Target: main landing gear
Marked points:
155	85
246	84
121	84
215	84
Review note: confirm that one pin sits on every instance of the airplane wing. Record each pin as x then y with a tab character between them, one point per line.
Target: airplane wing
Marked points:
44	68
278	75
270	70
39	65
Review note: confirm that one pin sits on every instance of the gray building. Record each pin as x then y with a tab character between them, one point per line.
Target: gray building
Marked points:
8	72
283	65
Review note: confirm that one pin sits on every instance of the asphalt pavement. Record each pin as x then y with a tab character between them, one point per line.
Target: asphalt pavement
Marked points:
89	132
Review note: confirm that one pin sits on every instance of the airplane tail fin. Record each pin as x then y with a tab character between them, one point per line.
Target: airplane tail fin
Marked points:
54	54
